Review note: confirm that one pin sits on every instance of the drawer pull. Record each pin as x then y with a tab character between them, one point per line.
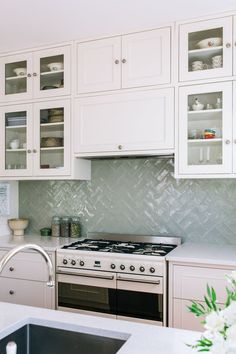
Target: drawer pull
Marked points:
11	269
11	292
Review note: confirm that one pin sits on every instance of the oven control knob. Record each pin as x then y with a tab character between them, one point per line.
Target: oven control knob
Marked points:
81	263
142	269
122	267
73	262
65	261
152	270
132	268
113	266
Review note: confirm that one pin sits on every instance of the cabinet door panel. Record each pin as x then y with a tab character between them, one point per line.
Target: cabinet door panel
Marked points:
205	49
234	127
205	130
27	292
139	121
183	318
146	58
98	65
16	78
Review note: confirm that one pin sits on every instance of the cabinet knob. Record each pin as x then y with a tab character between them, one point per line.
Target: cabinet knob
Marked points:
227	142
34	74
124	61
34	151
117	61
11	292
234	141
228	45
11	269
120	147
29	151
29	75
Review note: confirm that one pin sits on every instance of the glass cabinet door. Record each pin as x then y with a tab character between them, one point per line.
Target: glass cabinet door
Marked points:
15	77
206	49
16	132
205	129
52	72
52	138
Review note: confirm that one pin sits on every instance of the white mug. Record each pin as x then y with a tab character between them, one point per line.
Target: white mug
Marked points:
15	144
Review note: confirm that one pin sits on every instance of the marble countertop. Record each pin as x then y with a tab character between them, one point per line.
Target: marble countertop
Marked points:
205	254
141	338
47	242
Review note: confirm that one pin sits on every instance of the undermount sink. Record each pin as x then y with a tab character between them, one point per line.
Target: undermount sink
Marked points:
37	339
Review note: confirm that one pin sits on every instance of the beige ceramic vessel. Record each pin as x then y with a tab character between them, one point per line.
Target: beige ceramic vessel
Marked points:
18	226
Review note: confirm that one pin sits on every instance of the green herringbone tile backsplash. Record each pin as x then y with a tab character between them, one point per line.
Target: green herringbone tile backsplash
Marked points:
137	196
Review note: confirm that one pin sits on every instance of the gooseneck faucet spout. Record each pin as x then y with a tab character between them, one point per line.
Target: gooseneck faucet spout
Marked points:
39	249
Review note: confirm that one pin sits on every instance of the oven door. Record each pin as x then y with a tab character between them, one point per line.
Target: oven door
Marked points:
87	292
140	298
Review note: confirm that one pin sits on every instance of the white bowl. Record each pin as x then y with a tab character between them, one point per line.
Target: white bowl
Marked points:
20	71
198	107
55	66
18	226
209	43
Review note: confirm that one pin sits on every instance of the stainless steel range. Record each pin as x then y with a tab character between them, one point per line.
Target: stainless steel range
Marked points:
114	275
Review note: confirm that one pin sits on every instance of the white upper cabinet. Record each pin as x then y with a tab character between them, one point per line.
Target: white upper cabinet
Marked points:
125	123
205	49
44	73
234	56
98	65
205	129
146	58
127	61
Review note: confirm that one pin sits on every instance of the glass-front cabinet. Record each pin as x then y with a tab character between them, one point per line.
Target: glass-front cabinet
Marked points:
35	139
39	74
205	49
205	129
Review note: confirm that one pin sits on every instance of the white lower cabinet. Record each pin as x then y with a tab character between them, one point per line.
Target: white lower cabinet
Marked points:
23	281
125	123
188	283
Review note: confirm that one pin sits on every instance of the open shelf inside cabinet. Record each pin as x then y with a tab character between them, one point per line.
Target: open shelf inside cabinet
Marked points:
52	72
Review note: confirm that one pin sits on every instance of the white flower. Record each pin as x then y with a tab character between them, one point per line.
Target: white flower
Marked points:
214	322
218	348
232	276
229	314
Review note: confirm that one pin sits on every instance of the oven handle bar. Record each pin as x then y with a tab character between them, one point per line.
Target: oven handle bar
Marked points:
109	277
119	277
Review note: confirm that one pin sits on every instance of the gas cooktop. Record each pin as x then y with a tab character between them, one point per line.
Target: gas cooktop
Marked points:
138	248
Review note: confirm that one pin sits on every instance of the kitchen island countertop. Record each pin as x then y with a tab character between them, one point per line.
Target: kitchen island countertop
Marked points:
142	338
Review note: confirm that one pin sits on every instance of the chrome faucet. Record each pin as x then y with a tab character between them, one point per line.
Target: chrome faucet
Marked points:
11	253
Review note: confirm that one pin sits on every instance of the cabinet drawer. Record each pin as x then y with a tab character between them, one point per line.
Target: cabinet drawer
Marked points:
24	265
26	292
191	282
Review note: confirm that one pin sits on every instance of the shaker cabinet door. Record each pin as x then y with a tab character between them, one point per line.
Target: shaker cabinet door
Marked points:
124	123
99	65
146	58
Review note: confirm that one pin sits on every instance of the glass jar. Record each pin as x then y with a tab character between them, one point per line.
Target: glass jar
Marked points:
75	227
65	226
56	226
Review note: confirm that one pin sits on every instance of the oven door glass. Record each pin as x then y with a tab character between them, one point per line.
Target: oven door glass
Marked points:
86	297
147	306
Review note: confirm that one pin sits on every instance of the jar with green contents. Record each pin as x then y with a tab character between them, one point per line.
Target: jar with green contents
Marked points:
75	227
56	226
65	226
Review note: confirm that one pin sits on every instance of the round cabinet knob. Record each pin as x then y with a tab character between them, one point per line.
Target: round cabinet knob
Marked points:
142	269
124	61
11	269
29	75
73	262
11	292
234	141
113	266
228	45
29	151
227	142
152	270
81	263
34	151
65	261
132	268
34	74
117	61
122	267
120	147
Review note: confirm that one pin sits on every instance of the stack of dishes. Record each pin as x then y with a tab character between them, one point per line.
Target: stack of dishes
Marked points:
51	142
56	115
12	121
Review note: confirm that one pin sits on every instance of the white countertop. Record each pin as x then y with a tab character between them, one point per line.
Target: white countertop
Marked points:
205	254
47	242
142	339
